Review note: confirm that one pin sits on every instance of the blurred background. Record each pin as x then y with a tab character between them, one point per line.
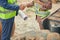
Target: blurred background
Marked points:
23	26
30	26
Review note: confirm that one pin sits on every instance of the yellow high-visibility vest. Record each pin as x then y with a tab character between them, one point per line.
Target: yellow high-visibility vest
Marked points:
6	13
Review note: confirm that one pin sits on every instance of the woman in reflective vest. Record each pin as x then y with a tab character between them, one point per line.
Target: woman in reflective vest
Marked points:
8	11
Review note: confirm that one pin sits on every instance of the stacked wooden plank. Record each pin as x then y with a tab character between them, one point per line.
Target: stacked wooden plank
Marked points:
38	35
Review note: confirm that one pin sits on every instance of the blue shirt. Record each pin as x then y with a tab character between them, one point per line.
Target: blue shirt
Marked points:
5	4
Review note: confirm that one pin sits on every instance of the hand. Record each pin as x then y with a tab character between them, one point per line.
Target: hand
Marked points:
47	5
30	4
22	7
43	7
50	5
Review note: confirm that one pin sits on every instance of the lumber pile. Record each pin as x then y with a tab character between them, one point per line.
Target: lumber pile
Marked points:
39	35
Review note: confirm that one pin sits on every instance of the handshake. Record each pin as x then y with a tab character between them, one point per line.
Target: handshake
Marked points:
22	6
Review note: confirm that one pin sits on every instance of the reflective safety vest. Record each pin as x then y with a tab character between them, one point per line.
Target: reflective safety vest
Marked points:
6	13
38	12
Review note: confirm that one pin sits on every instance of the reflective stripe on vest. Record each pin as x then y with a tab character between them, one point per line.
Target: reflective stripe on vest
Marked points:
8	15
12	1
5	13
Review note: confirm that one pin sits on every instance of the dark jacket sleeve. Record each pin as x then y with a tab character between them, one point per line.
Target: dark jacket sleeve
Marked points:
5	4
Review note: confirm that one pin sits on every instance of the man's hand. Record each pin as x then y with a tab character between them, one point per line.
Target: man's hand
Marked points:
22	7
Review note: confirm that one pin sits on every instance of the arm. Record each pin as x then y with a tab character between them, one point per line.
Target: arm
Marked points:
40	2
50	0
30	4
5	4
47	5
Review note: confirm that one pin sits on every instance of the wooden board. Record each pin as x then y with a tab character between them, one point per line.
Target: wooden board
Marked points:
55	15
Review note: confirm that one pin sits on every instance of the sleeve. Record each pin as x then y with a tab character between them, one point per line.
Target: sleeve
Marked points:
5	4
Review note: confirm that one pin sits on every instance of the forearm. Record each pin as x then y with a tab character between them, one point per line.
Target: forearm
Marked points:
11	7
50	1
30	4
6	5
40	2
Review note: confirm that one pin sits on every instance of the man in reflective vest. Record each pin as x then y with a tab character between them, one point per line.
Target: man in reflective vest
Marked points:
8	11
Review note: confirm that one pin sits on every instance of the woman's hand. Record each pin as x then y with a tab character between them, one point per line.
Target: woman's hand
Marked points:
47	5
43	8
